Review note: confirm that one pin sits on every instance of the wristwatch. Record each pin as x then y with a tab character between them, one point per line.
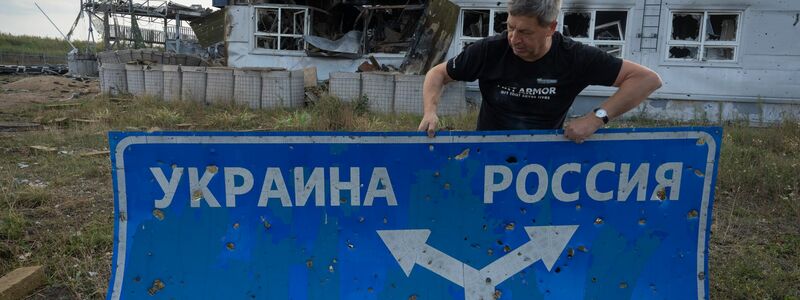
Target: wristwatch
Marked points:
602	114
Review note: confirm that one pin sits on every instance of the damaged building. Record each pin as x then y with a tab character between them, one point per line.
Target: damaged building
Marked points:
719	60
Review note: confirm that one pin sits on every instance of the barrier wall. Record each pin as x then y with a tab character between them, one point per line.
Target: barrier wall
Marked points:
154	81
270	88
219	86
247	87
172	82
135	77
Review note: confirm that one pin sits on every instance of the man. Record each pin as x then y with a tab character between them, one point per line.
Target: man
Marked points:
530	75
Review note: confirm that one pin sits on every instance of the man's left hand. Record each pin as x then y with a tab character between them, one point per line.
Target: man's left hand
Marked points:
582	128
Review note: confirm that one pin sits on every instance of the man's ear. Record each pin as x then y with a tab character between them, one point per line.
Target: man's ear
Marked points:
552	28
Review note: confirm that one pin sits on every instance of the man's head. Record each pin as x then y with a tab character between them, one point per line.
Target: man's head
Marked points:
531	23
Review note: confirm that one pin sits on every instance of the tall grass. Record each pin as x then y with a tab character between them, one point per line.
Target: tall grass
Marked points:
25	44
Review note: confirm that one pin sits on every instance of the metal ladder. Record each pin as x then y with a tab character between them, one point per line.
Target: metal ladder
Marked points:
651	23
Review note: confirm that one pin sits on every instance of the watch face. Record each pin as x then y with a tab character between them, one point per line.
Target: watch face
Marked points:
601	113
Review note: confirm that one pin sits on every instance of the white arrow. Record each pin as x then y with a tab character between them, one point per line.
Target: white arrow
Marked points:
409	247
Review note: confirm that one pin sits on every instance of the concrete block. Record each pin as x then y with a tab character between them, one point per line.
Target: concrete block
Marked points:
172	82
742	111
219	87
778	113
21	282
345	86
193	84
310	77
379	90
135	77
682	110
275	89
154	81
247	87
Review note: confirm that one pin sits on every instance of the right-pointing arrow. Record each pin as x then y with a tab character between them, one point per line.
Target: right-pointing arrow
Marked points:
547	243
409	248
551	241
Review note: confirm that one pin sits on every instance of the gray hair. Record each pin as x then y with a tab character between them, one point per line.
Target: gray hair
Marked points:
545	11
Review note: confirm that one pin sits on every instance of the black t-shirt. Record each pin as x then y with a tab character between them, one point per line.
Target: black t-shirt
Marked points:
531	95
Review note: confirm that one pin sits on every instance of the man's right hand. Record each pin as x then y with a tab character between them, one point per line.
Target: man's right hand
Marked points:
429	123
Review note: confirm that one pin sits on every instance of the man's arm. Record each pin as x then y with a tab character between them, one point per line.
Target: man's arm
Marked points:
435	80
635	82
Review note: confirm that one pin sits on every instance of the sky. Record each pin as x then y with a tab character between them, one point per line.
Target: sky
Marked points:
21	17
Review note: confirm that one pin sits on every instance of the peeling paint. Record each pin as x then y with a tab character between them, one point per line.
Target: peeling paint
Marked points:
157	286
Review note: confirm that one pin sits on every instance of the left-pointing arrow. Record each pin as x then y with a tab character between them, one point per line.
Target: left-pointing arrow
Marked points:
405	245
409	247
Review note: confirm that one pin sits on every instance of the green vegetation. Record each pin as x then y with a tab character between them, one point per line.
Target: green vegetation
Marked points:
58	209
25	44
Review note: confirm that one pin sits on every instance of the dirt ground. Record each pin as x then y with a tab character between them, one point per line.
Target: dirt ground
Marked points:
43	89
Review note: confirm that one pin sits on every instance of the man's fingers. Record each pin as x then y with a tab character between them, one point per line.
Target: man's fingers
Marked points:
431	129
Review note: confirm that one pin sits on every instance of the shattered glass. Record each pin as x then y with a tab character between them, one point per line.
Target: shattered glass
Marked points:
293	21
683	52
718	53
576	24
500	21
476	23
686	26
610	25
268	20
267	42
292	43
721	27
615	50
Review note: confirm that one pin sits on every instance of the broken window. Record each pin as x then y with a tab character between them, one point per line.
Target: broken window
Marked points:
281	28
389	28
477	24
604	29
686	27
576	24
721	27
500	21
703	36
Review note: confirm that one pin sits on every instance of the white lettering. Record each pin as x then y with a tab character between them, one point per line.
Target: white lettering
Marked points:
315	184
169	187
558	190
541	187
489	186
591	181
231	189
380	177
275	176
626	183
673	183
352	186
200	187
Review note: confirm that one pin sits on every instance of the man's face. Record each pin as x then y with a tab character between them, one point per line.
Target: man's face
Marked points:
527	38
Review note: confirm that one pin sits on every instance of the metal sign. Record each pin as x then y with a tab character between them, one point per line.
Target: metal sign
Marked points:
468	215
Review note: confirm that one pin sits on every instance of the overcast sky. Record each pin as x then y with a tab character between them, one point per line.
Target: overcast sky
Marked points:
20	17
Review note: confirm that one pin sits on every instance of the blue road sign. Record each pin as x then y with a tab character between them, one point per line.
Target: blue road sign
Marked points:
467	215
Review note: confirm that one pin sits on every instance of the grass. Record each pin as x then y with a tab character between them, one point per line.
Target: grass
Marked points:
58	211
26	44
